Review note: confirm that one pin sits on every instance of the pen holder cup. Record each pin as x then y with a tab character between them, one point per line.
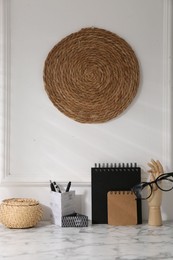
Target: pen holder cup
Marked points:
62	204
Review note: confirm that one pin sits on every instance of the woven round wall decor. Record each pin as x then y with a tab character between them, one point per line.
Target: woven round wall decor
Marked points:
91	75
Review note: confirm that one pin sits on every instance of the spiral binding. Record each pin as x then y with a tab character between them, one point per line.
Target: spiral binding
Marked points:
121	192
115	165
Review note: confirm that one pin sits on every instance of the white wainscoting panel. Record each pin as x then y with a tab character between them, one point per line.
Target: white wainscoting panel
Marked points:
39	143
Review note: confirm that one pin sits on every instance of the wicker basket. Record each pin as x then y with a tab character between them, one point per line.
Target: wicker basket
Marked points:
20	212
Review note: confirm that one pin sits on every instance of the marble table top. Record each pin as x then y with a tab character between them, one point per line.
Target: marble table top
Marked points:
47	241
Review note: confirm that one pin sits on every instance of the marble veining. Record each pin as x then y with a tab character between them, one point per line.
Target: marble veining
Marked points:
47	241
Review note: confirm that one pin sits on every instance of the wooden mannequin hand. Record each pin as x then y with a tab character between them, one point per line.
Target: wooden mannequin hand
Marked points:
154	201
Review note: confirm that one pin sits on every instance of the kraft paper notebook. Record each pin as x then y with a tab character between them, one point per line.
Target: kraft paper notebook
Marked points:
122	208
112	177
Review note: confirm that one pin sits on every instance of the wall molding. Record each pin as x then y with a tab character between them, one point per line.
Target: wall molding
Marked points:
7	178
167	83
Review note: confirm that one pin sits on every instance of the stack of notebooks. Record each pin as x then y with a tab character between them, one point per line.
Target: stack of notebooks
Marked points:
113	202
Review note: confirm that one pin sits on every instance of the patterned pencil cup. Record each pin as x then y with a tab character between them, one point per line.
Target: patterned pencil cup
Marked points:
20	213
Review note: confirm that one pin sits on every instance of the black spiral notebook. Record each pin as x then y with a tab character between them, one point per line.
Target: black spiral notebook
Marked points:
113	177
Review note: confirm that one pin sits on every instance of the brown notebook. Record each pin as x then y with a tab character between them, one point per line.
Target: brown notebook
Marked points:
122	208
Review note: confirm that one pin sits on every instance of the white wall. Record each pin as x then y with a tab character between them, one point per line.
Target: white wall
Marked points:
41	143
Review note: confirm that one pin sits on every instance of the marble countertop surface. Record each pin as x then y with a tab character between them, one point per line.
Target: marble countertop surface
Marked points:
47	241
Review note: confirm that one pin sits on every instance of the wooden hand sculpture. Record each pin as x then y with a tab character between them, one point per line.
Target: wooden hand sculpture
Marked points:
154	201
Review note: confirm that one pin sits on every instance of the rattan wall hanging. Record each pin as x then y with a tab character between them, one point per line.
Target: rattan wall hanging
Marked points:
91	75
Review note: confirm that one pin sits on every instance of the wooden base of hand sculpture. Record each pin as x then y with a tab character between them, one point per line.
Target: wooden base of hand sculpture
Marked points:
154	201
154	218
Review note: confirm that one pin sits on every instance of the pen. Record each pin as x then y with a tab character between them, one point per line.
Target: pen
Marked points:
68	186
57	188
52	186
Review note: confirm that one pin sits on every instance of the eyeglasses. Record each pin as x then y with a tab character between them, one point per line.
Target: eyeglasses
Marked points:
163	182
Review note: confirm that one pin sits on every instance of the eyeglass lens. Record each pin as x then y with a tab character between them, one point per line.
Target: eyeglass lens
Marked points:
146	192
165	184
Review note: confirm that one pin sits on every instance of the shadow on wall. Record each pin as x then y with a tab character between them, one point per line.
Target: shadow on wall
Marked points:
47	212
166	210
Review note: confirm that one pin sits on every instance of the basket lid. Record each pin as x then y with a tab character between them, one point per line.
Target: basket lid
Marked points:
20	202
